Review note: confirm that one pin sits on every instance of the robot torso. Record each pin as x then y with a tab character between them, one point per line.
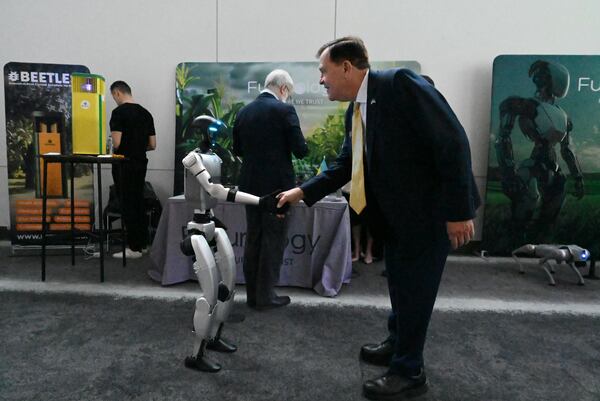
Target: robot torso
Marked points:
194	192
551	122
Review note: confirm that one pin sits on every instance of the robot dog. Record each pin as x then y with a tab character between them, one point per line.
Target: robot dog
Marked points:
572	255
207	241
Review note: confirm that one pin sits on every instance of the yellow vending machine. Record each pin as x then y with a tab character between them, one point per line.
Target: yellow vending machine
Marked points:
89	114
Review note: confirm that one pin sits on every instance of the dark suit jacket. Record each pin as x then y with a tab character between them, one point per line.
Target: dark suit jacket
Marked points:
265	134
418	162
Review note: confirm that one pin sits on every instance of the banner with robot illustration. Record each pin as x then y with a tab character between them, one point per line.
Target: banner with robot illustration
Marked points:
222	89
38	120
543	181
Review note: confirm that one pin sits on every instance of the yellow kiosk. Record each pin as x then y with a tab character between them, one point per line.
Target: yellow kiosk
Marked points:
89	114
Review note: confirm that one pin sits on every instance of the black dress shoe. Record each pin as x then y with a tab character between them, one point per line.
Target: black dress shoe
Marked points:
276	302
396	387
220	345
378	354
202	364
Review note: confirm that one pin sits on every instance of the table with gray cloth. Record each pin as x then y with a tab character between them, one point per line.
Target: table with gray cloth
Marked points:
317	254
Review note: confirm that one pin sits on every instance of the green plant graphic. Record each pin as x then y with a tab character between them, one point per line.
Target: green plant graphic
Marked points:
191	105
325	141
19	136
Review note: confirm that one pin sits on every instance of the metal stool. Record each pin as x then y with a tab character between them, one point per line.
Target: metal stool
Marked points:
111	216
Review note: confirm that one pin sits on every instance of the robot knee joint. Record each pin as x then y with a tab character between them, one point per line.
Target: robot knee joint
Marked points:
223	293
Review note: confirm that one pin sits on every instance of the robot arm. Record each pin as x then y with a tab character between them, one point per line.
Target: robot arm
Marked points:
193	163
569	157
510	109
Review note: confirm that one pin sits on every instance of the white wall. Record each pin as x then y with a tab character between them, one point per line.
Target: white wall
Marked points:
141	42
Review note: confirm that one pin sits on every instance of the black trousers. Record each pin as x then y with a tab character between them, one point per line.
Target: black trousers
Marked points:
133	210
413	285
265	242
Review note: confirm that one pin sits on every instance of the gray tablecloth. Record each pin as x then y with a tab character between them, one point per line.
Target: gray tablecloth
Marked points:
317	254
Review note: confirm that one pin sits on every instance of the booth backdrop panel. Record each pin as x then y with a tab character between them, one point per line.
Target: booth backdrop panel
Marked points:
38	120
577	220
222	89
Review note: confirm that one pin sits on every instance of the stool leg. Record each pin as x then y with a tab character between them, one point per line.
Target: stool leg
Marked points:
108	227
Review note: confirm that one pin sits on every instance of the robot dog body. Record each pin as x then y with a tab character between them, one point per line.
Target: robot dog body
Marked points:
570	254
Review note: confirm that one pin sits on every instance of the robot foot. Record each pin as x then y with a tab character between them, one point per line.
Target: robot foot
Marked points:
202	364
220	345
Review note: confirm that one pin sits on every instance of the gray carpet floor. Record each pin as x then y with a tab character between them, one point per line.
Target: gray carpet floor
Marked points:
76	347
495	335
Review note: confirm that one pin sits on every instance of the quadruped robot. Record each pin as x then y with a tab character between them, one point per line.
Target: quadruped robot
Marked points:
572	255
207	241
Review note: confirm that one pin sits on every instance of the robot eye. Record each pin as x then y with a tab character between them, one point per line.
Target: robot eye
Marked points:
585	255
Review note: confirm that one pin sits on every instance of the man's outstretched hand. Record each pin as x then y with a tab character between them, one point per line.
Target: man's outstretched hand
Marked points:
290	197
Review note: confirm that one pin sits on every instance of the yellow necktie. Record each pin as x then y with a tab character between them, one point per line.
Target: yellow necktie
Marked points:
358	200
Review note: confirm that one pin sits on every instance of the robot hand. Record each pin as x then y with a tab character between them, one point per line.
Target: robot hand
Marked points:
269	203
513	186
579	190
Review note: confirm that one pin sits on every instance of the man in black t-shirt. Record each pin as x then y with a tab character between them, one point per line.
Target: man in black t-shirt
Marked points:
133	134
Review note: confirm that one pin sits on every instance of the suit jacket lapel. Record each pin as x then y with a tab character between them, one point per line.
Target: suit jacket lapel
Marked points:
371	115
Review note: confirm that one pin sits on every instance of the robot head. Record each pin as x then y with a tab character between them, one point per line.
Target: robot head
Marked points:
551	78
208	128
578	253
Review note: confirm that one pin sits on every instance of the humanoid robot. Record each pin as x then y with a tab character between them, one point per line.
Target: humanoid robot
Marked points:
572	255
207	241
536	187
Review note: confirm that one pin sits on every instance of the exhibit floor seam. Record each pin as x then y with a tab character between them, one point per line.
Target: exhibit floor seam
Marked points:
443	303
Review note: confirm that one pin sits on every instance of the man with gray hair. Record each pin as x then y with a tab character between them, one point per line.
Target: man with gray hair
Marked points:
266	133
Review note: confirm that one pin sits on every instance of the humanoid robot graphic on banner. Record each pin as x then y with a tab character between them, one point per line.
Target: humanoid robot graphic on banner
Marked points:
207	241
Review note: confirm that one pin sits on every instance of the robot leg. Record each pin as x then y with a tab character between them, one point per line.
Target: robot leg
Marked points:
206	305
528	249
524	206
545	263
553	198
226	265
580	281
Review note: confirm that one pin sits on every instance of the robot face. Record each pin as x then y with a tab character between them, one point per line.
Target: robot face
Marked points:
215	129
560	79
209	129
553	77
578	253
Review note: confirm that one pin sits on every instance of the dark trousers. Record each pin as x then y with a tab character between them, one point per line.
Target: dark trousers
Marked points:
413	285
263	254
133	210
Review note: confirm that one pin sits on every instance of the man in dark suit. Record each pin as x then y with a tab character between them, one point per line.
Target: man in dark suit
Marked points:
409	160
266	133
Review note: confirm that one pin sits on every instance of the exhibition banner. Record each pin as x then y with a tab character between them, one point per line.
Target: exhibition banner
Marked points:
38	120
222	89
544	156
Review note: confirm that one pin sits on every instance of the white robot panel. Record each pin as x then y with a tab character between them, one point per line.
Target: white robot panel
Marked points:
194	193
